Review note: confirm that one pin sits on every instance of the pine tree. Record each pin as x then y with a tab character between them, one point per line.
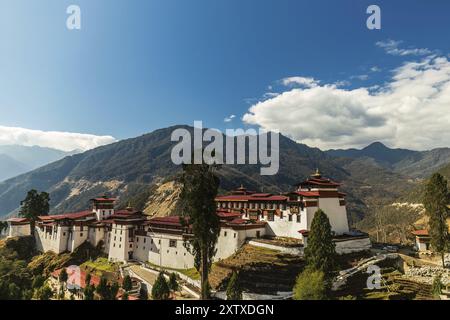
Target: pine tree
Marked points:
320	250
127	283
160	290
103	289
88	292
35	204
234	291
435	201
113	290
437	286
173	282
200	185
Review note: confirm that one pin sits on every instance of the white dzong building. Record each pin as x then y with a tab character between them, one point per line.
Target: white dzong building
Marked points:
128	234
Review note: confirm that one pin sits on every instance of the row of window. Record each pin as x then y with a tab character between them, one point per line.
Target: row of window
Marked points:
252	205
271	216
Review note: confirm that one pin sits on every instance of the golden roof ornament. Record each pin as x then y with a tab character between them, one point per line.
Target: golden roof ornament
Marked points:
317	174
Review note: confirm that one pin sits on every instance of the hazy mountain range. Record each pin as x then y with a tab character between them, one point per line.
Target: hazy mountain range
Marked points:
135	169
15	159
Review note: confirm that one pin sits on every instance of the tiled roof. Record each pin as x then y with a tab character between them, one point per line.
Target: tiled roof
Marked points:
71	216
420	232
18	220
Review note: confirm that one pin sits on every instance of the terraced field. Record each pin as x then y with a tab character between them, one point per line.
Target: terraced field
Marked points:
261	270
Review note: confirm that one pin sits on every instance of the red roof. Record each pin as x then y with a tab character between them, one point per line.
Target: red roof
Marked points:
308	193
420	232
71	216
224	214
319	182
104	199
77	276
18	220
171	220
252	197
303	232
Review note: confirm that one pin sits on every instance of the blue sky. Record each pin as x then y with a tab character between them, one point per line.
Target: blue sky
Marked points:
139	65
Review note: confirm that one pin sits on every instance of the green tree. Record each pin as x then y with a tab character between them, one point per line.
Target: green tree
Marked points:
44	293
113	290
160	290
35	204
199	189
38	281
103	289
234	291
127	283
310	285
320	250
436	199
88	292
63	276
173	282
3	226
87	280
437	286
143	294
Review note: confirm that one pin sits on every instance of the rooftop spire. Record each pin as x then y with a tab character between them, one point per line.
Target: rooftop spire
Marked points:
317	174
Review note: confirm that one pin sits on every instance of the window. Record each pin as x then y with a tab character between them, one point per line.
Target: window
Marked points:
258	234
225	234
64	234
114	245
131	245
173	243
120	246
290	217
115	238
298	218
235	234
145	240
269	216
281	215
81	234
137	239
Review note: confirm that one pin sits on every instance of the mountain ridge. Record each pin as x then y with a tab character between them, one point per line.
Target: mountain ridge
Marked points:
135	167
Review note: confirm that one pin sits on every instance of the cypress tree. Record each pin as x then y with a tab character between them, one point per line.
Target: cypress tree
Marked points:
320	250
200	186
160	290
234	291
435	201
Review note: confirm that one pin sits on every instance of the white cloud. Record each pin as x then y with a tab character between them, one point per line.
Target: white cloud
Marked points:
230	118
302	81
362	77
412	110
375	69
66	141
392	47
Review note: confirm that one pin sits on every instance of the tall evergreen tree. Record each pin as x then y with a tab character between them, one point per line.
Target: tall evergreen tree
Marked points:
160	289
234	291
103	289
435	201
35	204
320	252
200	185
127	283
173	282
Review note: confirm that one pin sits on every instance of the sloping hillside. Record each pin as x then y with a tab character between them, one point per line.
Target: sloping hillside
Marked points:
137	169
